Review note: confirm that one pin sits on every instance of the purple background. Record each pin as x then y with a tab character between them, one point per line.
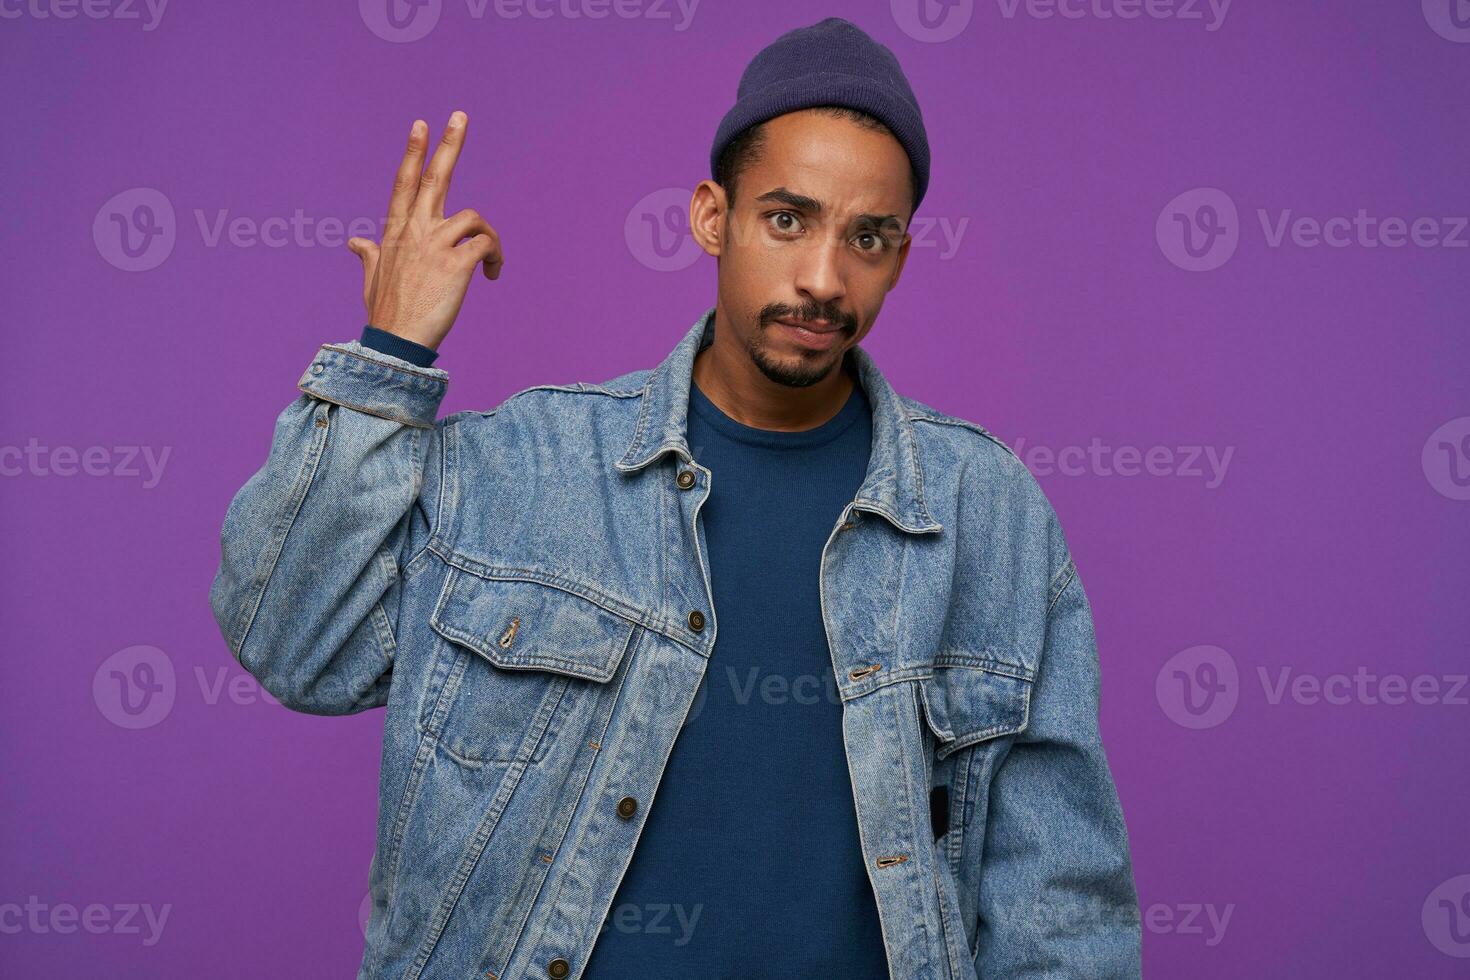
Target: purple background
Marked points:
1057	319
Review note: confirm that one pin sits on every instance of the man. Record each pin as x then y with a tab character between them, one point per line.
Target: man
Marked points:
888	764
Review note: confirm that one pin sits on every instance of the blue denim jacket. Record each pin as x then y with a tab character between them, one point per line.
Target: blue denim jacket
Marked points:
526	590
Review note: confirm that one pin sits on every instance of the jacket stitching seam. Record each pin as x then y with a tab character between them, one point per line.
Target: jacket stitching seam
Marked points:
441	381
974	427
1066	576
336	400
245	617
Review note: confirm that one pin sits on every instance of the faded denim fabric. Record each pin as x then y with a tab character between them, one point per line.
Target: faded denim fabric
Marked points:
527	592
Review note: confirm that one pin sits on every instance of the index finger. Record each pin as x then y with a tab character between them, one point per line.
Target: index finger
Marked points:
406	181
434	185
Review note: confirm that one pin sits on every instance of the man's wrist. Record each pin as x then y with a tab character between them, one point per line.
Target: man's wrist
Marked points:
401	347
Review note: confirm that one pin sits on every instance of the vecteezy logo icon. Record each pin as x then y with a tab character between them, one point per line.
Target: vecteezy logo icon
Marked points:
135	229
657	231
1446	459
931	20
1198	687
365	912
1446	917
1199	230
1450	19
399	21
134	688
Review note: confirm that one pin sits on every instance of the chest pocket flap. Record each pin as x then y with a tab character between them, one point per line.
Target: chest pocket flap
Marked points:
520	624
968	704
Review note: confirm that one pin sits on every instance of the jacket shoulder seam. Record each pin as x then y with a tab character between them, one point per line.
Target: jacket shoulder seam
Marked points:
960	423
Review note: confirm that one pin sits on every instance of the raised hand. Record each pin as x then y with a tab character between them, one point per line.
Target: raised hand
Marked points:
414	283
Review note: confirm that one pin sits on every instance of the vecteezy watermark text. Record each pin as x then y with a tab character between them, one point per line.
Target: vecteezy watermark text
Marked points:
1211	13
90	9
136	229
1200	687
940	20
404	21
41	918
656	231
1208	463
654	918
34	459
1200	230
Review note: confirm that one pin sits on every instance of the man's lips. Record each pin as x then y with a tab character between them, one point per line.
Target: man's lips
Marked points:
815	326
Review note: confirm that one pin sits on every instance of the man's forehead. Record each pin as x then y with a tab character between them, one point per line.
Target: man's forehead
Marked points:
847	169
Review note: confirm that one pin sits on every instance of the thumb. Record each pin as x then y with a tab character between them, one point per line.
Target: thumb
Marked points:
367	250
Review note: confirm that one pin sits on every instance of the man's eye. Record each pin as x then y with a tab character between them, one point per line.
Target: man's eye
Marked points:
881	243
778	215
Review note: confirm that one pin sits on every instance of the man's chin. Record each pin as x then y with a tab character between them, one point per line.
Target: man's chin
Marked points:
797	370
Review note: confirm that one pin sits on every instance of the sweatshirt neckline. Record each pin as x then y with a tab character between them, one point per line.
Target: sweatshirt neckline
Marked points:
849	413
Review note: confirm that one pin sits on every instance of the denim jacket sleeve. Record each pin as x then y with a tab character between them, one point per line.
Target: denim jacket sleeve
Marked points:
1057	896
315	544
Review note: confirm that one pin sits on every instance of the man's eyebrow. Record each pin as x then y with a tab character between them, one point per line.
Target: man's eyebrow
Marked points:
811	205
799	201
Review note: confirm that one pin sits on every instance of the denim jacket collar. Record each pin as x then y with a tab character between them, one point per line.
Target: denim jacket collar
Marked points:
894	484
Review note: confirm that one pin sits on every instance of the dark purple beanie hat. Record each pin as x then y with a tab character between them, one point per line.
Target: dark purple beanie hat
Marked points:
832	62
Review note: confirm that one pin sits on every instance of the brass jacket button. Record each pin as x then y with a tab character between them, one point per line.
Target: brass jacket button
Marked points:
627	806
558	968
696	621
685	479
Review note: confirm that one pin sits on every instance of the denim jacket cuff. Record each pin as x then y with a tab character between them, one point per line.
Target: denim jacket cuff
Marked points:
371	381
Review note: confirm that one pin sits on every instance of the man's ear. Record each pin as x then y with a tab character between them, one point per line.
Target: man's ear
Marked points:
708	213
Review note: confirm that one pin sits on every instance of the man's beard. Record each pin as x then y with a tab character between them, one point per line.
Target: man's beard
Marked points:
807	371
